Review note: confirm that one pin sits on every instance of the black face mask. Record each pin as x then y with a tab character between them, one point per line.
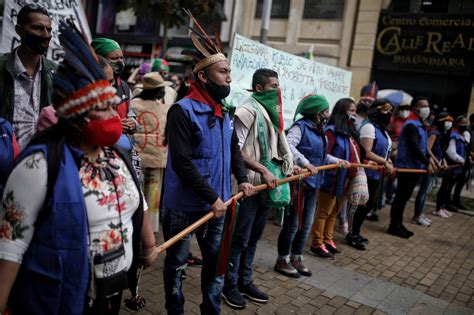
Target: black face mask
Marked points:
216	91
321	120
34	42
117	66
462	128
384	119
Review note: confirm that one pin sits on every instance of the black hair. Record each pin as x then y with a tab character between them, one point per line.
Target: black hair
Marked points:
339	118
458	120
23	16
471	118
418	99
374	112
362	108
262	77
152	94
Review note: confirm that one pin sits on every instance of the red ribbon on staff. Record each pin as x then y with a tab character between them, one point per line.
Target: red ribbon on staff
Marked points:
229	226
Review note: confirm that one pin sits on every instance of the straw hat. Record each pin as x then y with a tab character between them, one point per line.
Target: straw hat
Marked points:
153	80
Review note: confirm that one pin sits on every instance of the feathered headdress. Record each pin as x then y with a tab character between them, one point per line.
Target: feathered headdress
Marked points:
80	85
208	51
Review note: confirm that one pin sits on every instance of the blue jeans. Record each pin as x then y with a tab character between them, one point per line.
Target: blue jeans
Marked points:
291	238
209	239
249	228
426	182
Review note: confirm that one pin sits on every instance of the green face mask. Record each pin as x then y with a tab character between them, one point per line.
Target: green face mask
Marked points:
270	101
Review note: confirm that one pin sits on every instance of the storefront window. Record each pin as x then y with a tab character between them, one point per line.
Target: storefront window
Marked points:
280	9
323	9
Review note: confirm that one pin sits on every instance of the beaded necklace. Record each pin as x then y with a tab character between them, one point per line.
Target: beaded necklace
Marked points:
101	166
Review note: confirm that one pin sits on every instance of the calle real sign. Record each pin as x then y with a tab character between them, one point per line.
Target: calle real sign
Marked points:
425	43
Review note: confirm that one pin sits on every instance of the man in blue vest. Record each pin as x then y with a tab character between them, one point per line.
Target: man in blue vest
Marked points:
412	153
203	151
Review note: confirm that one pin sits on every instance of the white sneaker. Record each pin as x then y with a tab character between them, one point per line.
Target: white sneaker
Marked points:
440	213
419	221
446	213
425	218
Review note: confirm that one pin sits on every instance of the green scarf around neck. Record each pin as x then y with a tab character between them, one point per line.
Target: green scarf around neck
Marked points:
269	100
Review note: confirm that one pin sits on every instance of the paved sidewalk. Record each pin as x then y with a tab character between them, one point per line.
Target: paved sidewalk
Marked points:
431	273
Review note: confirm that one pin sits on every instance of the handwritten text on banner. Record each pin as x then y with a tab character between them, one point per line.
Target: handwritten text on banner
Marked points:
298	76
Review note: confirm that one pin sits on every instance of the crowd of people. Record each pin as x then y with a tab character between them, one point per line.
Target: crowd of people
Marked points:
93	166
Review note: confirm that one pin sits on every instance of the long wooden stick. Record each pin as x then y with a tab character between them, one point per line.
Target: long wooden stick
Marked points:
161	248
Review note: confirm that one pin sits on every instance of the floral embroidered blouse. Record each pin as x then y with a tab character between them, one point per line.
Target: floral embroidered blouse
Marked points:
23	199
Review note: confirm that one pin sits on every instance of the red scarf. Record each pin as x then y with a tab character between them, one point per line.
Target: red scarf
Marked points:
198	93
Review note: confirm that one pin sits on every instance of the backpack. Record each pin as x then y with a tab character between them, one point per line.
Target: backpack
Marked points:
6	151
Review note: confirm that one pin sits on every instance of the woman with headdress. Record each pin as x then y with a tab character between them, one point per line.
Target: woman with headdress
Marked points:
73	220
376	142
308	146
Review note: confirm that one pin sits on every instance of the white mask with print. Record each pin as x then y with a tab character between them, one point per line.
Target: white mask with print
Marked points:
448	125
424	112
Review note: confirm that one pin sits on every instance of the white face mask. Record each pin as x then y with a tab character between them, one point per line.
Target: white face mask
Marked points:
448	125
424	112
404	113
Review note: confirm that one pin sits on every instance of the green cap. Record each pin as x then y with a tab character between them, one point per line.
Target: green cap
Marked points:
160	65
312	104
103	46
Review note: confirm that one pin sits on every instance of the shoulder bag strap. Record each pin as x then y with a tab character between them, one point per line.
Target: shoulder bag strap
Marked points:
262	132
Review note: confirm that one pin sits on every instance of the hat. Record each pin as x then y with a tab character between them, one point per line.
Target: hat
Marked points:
153	80
312	104
104	46
160	65
79	85
370	90
208	52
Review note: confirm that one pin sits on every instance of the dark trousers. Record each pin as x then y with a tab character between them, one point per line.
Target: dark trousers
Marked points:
406	185
426	181
447	184
108	306
249	228
460	183
291	237
361	211
209	240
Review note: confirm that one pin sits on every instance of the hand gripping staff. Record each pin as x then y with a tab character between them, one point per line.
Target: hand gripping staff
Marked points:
161	248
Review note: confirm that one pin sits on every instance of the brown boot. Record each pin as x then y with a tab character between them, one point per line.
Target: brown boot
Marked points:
285	268
297	262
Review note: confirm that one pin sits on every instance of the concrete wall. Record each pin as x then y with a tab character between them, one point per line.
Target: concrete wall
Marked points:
346	43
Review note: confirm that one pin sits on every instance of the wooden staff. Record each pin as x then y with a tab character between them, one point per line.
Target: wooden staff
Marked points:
397	170
161	248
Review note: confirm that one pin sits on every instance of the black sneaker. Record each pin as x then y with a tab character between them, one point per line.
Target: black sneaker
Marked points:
372	216
251	292
389	200
363	240
355	241
331	247
194	260
406	231
396	231
322	252
233	298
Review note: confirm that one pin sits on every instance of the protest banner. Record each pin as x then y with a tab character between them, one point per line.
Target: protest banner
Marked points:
64	9
298	76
